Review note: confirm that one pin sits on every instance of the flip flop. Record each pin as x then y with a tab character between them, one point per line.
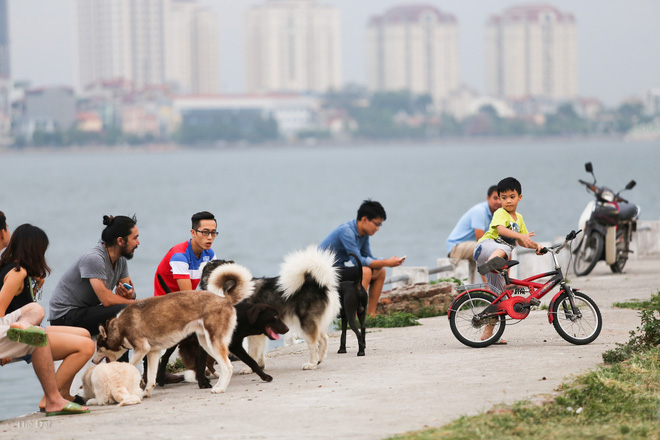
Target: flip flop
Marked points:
501	342
69	409
34	336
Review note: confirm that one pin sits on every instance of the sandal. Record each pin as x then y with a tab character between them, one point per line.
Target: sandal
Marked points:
69	409
34	336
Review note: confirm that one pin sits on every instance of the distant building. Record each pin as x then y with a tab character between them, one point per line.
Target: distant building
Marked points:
292	113
5	59
47	109
292	46
652	102
531	51
192	54
413	48
148	42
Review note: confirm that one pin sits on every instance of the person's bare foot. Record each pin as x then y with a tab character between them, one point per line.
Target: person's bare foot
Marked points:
488	332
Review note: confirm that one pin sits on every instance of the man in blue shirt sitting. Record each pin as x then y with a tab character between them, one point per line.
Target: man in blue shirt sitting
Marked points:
353	237
470	227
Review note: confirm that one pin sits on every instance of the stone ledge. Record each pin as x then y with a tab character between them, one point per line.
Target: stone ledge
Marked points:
414	297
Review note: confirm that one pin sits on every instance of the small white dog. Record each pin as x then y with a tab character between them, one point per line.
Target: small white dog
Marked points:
113	382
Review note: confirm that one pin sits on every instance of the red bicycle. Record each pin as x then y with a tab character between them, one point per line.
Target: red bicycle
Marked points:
574	315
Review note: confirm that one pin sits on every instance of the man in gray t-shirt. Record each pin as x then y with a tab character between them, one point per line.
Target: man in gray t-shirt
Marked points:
84	296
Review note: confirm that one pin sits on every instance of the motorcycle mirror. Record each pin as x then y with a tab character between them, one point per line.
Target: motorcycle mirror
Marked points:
588	167
631	184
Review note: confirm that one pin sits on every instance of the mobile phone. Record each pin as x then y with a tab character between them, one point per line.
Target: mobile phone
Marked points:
404	257
127	286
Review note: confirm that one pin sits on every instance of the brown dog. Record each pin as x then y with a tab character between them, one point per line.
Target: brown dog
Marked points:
152	324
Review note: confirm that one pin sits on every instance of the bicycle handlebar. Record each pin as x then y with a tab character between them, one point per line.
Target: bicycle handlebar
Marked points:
556	249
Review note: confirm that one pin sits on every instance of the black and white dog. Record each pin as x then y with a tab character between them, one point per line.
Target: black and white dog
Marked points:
354	301
306	298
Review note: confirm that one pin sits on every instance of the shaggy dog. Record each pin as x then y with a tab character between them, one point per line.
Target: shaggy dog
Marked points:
114	382
152	324
306	298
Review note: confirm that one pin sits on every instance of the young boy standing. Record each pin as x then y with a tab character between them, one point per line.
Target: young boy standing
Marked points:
506	230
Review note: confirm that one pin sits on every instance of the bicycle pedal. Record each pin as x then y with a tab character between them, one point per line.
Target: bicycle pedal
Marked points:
534	301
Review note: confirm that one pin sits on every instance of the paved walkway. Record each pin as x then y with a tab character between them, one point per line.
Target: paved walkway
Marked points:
411	378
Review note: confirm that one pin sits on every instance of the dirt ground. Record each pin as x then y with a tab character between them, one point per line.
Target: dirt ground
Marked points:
411	378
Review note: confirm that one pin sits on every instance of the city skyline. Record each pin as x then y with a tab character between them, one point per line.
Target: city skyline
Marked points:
617	42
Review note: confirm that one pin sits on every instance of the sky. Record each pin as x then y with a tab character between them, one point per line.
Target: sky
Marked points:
618	41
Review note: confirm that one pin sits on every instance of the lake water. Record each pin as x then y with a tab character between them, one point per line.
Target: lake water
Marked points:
272	200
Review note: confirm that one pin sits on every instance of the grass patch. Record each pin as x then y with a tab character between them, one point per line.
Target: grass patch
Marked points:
454	280
175	367
613	402
390	320
650	304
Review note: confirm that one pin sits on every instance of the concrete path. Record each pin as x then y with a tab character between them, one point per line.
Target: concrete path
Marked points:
411	378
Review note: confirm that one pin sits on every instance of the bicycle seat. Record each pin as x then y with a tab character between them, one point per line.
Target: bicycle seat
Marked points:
496	263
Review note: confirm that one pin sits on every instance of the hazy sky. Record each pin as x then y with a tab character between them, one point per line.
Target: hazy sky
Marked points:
618	41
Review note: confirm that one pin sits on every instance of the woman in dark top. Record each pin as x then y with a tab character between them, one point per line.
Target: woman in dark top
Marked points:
23	269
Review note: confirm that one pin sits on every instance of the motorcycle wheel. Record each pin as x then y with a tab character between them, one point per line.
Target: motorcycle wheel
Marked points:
621	251
588	253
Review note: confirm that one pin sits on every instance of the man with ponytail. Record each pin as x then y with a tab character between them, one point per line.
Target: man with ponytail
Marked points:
92	290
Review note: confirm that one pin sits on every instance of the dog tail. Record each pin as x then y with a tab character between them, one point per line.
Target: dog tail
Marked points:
231	280
358	264
311	264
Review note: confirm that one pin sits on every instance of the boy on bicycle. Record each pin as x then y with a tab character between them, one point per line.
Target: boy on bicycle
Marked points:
505	231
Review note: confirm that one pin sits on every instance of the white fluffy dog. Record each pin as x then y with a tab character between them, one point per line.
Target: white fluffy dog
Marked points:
114	382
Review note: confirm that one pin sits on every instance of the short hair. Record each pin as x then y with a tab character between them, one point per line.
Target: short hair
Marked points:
3	221
371	209
491	190
202	215
27	249
115	227
509	184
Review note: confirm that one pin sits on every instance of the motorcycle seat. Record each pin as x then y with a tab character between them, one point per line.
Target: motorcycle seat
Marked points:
627	211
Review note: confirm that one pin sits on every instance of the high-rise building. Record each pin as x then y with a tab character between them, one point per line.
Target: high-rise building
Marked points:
531	51
293	45
192	49
148	42
5	61
413	48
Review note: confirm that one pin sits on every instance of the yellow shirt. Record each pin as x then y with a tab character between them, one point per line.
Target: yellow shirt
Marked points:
503	218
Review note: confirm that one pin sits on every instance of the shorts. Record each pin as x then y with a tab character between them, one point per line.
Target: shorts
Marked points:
9	348
485	248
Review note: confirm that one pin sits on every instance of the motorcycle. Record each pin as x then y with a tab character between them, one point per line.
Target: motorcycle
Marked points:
608	224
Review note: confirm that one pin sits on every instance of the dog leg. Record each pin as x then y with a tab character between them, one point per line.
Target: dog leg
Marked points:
200	368
323	346
342	339
123	397
311	334
162	366
220	353
152	360
239	351
256	350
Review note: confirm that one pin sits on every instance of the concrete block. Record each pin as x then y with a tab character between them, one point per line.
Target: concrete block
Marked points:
415	275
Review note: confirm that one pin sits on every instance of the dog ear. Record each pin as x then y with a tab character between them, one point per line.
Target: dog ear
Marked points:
102	331
253	314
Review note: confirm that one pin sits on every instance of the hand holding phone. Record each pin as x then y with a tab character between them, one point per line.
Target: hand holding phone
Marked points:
127	286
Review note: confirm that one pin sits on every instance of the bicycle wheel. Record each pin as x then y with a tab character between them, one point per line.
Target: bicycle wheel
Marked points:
580	327
588	253
468	327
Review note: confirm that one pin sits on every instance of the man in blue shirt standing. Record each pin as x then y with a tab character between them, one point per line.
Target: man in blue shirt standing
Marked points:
353	237
470	227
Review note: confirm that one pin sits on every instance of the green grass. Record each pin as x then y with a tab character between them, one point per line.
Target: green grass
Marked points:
651	304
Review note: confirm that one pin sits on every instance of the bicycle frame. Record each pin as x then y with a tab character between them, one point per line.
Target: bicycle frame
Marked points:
516	306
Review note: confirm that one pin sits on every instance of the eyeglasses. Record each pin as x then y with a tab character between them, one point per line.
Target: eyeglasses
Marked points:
206	233
378	225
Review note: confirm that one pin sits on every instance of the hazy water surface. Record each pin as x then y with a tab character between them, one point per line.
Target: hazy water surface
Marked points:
271	200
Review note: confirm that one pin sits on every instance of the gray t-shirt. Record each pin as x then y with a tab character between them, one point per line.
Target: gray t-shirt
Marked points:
74	290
